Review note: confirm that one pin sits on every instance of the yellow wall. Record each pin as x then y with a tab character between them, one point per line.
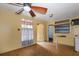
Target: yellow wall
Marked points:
10	37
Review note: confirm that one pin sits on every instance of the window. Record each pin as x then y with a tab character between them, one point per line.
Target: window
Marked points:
63	28
27	32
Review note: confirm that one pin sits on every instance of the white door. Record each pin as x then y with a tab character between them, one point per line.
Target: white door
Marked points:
40	33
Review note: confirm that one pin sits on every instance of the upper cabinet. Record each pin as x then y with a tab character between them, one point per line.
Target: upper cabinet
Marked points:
75	21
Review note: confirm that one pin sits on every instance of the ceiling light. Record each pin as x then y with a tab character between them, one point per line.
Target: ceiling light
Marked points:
27	8
51	15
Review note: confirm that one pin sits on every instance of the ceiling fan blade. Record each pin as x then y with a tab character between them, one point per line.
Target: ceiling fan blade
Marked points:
20	11
16	4
32	13
39	9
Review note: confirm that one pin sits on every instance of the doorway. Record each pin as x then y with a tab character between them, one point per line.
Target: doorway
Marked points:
50	33
26	32
40	33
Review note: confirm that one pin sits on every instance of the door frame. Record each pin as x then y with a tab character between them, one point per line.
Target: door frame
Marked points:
52	33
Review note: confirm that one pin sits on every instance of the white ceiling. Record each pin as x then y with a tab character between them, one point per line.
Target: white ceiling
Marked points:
59	10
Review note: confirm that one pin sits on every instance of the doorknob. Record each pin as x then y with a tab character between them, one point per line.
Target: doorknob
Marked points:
18	29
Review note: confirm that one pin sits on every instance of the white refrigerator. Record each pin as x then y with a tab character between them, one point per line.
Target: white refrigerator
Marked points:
76	37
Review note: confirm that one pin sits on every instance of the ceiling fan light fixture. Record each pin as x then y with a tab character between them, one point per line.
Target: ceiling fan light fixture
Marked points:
27	8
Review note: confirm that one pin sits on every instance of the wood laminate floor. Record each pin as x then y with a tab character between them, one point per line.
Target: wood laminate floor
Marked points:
43	49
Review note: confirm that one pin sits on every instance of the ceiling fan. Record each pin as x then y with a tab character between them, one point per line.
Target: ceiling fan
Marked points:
28	7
